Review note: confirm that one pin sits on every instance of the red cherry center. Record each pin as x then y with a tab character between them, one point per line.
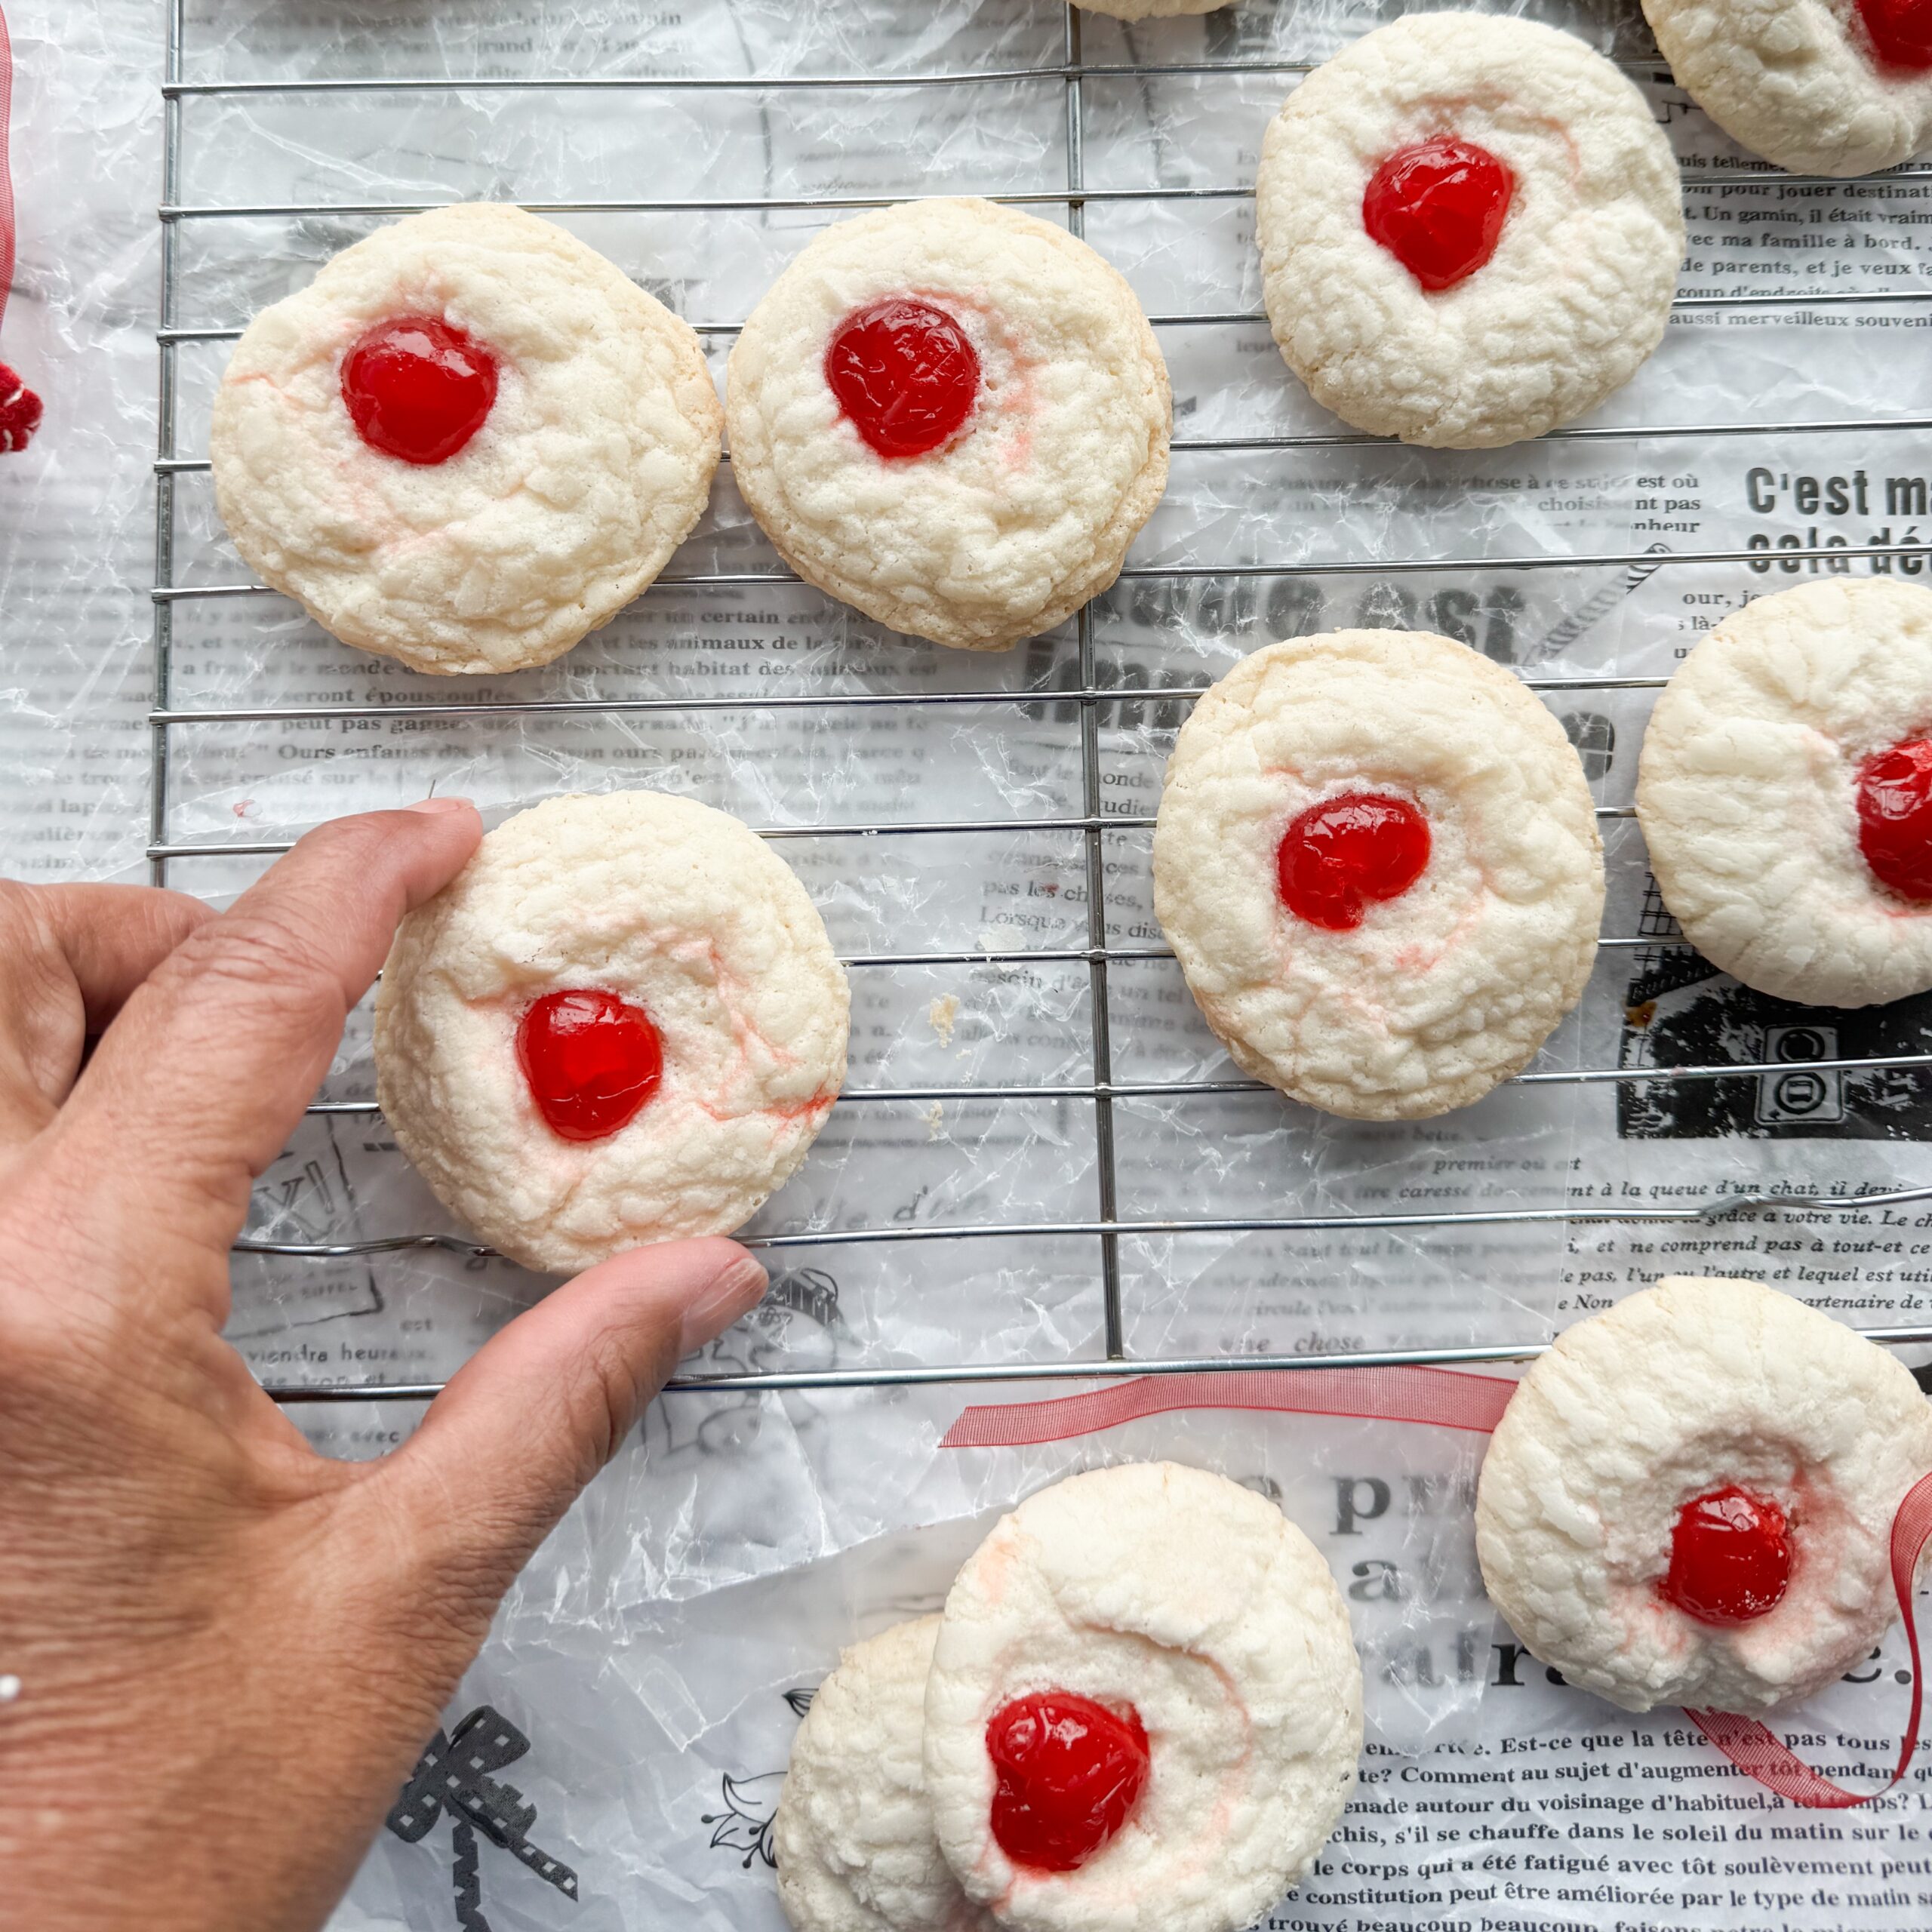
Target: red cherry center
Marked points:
1895	818
905	374
1730	1558
417	388
590	1060
1438	206
1338	857
1900	32
1069	1772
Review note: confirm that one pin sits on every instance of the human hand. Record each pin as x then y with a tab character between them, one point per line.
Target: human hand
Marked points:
229	1651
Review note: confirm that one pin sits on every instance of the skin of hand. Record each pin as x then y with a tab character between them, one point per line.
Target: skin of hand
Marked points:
229	1651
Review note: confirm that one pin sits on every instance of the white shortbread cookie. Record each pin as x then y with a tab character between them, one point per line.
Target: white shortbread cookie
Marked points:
1578	289
1195	1602
1026	512
1746	790
595	461
675	907
853	1833
1439	994
1679	1392
1794	81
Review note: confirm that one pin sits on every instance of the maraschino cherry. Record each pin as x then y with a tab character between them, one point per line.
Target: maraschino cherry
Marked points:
1730	1558
1069	1773
417	388
1439	207
1339	857
591	1062
1895	818
905	374
1900	32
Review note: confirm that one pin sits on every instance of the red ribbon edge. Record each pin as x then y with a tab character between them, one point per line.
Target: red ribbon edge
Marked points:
1450	1399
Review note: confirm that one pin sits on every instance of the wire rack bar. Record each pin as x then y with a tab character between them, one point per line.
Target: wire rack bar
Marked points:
1764	554
980	1373
1103	1093
1108	1228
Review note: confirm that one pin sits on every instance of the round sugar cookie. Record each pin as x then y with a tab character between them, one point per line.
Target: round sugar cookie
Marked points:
1689	1499
1377	860
1821	87
1144	1707
621	1021
1470	230
469	441
1785	790
853	1833
953	416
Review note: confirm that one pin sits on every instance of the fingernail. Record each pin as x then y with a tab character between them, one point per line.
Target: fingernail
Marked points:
441	805
735	1294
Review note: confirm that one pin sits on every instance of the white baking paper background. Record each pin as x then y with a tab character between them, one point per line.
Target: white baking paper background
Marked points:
657	1651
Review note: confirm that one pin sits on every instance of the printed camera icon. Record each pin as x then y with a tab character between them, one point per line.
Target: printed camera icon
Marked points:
1783	1098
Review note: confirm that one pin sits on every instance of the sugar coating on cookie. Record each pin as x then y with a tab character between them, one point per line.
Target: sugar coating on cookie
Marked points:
1188	1605
1057	418
1693	1390
1762	791
853	1832
1433	992
1570	204
1802	82
592	463
681	915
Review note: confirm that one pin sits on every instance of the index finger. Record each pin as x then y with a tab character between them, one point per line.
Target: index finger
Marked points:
196	1086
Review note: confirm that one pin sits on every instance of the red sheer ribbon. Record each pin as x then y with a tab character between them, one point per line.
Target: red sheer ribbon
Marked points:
1450	1400
1438	1395
20	408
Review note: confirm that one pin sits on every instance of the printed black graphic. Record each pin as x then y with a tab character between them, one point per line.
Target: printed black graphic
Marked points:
751	1805
1681	1011
751	1809
453	1773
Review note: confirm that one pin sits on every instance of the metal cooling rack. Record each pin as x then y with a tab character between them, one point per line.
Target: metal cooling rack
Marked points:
1091	695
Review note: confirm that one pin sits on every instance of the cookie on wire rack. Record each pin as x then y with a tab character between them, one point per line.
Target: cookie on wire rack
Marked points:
621	1021
1377	861
1785	791
954	418
469	441
1470	229
1820	87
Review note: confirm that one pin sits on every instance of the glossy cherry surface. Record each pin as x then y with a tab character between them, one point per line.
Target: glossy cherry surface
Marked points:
591	1062
1730	1558
1439	207
1900	32
1895	818
1069	1773
418	389
904	375
1338	858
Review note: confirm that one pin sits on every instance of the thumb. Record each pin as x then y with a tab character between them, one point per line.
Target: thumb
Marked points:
541	1408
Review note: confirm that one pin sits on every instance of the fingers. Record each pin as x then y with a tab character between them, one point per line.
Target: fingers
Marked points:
196	1086
70	955
542	1406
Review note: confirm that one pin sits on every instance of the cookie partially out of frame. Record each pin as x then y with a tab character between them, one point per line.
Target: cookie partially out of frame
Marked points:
1785	790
